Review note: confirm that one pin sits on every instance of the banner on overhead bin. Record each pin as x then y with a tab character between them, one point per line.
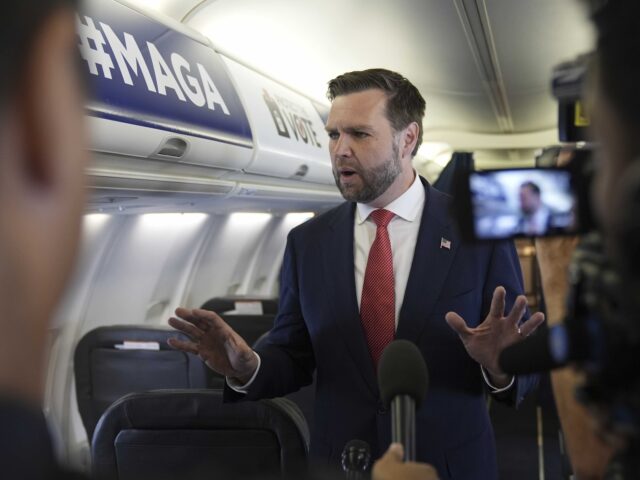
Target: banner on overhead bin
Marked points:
285	124
144	72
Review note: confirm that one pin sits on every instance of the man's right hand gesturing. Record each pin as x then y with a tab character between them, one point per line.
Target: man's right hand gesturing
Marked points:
215	342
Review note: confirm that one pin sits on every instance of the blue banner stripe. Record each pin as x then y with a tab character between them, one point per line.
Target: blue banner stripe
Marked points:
144	73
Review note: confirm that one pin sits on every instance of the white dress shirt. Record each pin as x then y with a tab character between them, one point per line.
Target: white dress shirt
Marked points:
403	234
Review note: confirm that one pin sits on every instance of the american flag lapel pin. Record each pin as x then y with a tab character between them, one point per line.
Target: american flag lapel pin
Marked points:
445	243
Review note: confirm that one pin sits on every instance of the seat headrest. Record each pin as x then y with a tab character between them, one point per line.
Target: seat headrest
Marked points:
242	305
204	433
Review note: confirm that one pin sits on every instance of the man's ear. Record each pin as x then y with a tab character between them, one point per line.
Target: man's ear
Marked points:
409	139
33	99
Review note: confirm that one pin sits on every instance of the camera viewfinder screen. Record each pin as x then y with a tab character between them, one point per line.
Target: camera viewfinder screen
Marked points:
522	202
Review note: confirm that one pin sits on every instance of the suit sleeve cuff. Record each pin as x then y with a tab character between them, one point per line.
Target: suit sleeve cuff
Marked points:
493	388
244	388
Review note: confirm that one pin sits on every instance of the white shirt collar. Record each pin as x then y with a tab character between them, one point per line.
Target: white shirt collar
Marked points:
406	206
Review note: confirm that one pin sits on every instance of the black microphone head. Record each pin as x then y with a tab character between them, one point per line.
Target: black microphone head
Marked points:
356	456
541	352
402	371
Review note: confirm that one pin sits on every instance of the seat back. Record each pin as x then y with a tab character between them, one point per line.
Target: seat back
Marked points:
242	305
104	371
250	327
305	397
192	435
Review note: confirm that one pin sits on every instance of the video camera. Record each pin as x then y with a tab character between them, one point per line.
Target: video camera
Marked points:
542	201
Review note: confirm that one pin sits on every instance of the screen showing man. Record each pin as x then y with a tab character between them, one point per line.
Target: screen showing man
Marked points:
522	202
535	215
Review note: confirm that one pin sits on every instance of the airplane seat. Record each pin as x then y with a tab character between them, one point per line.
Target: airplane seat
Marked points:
242	305
107	366
303	398
192	434
250	327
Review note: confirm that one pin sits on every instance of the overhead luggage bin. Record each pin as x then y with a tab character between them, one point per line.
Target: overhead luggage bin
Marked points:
159	91
288	132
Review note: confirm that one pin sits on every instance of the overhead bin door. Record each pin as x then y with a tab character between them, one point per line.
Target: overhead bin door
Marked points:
288	131
158	90
322	110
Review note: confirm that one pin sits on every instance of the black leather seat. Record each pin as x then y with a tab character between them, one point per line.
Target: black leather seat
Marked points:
250	327
222	305
192	435
305	397
104	373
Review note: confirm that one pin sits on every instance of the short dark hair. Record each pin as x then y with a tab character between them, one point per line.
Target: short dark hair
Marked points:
20	23
404	102
533	186
618	57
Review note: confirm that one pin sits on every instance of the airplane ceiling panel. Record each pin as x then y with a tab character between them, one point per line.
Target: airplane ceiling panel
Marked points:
304	44
177	9
534	112
483	65
531	37
458	112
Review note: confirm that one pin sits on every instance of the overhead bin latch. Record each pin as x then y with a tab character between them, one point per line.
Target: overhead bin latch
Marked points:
301	172
172	148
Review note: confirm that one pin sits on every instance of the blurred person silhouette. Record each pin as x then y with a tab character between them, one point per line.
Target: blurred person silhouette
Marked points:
613	396
42	155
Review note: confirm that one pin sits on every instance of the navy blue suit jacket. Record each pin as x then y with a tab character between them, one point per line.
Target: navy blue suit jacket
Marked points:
318	327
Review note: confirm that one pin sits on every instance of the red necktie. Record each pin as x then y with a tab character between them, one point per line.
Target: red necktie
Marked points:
377	305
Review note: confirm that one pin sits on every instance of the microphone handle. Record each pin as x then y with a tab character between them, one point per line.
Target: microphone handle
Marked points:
403	425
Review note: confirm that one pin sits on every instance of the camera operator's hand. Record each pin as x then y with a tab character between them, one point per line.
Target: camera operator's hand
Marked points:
391	467
485	342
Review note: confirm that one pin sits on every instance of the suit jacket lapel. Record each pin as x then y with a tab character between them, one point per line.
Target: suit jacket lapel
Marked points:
338	269
431	263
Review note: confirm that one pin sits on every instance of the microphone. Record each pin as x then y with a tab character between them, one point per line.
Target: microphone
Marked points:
403	380
545	350
356	458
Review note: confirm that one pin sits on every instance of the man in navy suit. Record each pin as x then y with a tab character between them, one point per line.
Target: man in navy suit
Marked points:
388	263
